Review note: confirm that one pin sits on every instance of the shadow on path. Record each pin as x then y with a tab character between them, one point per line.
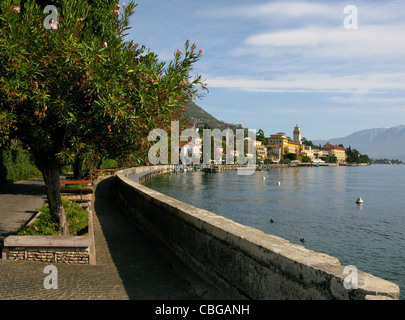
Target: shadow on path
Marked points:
18	202
146	273
35	186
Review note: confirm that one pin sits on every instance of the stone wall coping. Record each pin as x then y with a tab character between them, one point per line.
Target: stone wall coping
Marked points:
48	241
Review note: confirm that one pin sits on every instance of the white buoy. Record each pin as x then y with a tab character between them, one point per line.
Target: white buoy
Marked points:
279	183
264	178
359	200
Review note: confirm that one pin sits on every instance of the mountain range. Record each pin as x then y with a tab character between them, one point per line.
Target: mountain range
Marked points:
377	143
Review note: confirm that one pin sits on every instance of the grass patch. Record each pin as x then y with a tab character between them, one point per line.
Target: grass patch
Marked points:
77	186
109	163
77	219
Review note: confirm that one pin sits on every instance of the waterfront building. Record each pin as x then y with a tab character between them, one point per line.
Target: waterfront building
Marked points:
279	139
337	151
248	141
285	143
294	147
273	152
279	144
315	154
190	152
320	153
261	151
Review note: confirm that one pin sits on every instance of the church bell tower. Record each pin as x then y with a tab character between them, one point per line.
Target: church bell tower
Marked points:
297	134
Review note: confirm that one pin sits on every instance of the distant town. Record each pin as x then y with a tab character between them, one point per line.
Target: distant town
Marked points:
279	148
382	146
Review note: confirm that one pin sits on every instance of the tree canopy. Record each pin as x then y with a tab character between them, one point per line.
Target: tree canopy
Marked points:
79	88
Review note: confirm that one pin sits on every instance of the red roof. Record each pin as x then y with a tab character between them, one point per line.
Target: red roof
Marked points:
334	147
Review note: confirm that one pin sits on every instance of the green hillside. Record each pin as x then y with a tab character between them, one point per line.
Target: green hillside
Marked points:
195	115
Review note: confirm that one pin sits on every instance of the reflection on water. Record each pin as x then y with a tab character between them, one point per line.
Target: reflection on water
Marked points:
318	204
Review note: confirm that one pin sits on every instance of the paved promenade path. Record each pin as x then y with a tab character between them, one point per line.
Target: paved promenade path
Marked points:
129	265
18	202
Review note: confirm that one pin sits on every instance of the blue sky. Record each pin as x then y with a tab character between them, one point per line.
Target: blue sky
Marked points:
273	64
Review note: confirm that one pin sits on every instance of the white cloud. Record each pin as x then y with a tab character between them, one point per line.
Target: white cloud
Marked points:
321	11
292	9
371	100
378	83
289	9
368	40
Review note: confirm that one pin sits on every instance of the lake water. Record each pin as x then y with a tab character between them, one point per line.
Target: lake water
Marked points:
315	203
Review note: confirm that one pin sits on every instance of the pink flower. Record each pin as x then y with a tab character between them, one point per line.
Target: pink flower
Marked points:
201	51
179	51
105	44
54	25
16	9
124	4
36	228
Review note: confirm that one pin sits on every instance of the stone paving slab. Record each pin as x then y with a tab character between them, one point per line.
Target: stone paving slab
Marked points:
129	265
18	203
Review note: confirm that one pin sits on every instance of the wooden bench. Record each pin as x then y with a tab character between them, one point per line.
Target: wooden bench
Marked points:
66	182
76	191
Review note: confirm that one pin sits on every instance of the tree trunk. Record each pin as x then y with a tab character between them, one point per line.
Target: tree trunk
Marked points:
52	182
100	162
78	169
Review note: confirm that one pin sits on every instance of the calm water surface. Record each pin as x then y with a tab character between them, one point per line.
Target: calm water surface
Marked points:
318	204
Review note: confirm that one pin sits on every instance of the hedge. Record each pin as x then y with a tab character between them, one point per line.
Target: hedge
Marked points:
16	165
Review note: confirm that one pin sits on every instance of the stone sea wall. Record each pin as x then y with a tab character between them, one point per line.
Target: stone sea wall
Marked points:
241	261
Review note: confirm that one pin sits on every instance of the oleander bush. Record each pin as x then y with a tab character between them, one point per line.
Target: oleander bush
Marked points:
72	86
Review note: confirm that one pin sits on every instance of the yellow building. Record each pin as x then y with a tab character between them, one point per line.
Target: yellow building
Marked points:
338	152
293	147
261	151
286	144
278	139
